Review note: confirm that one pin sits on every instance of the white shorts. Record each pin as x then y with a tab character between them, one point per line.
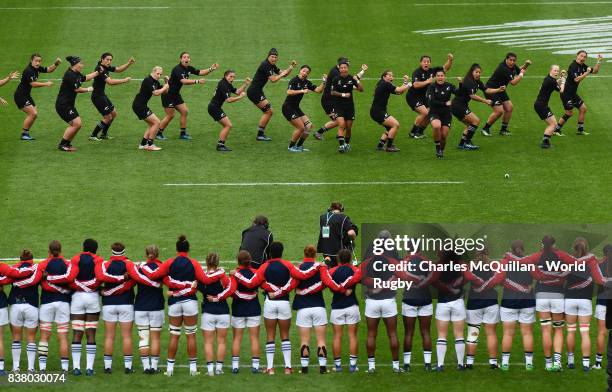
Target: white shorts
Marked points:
522	315
23	315
150	318
118	313
183	308
85	303
550	302
416	311
346	316
4	319
311	317
246	322
211	322
451	311
488	315
578	307
276	310
600	312
380	308
58	312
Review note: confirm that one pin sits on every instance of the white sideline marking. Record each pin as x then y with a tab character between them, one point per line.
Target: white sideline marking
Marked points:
357	183
575	3
84	8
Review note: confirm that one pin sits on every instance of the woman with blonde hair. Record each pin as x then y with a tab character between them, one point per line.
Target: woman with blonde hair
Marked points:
150	86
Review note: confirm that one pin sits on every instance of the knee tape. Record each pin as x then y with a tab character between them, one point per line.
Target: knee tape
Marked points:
91	325
174	330
584	327
266	108
307	129
43	348
62	328
571	327
473	332
190	329
78	325
322	352
155	329
545	322
305	351
44	326
560	324
143	334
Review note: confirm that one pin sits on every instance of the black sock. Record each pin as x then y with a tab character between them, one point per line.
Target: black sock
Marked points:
64	142
149	142
389	142
183	131
487	127
322	130
160	131
471	130
546	139
580	127
260	131
414	129
25	131
291	144
300	142
220	142
381	143
463	140
105	128
504	127
341	140
97	129
348	140
143	142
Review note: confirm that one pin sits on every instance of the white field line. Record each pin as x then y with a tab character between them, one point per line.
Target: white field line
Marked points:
330	364
354	183
12	260
84	8
481	4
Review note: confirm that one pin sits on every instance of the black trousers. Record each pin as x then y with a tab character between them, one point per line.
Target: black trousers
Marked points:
609	362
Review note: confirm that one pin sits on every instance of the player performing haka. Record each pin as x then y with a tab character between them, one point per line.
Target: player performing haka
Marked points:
344	105
468	88
267	71
298	87
507	72
378	110
11	76
551	83
22	97
327	100
102	103
64	104
223	93
577	72
422	77
173	100
439	100
149	87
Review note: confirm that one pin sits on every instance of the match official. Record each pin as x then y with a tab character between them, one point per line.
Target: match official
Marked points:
256	240
336	231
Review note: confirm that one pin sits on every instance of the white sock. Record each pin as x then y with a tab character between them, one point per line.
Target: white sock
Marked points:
219	366
441	351
210	367
337	362
548	362
304	361
43	351
460	350
65	363
235	362
76	355
371	363
31	353
528	358
108	361
407	357
270	348
193	365
493	361
586	361
154	362
90	355
1	363
255	362
506	359
286	349
395	365
570	358
427	356
146	362
127	361
170	365
353	360
322	361
16	354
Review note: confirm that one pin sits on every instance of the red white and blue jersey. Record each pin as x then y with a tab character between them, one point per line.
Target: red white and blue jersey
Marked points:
374	269
179	274
55	284
7	276
549	281
450	285
219	289
118	289
345	276
25	290
245	301
482	292
417	271
518	289
281	277
580	284
150	294
602	293
86	280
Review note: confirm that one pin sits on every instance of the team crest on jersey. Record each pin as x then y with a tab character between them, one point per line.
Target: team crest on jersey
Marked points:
546	34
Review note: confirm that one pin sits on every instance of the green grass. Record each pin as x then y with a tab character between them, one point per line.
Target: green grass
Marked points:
112	191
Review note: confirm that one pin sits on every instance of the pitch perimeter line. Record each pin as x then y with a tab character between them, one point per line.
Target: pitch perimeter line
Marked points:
575	3
357	183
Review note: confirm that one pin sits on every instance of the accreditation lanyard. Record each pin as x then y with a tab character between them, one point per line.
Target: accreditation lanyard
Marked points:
325	231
